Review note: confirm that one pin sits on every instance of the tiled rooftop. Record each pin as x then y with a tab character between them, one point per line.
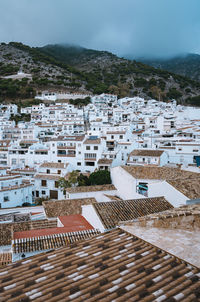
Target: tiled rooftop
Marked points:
145	152
92	141
163	173
7	229
66	207
189	187
184	217
96	188
51	241
47	176
105	161
5	259
175	230
53	165
114	211
114	266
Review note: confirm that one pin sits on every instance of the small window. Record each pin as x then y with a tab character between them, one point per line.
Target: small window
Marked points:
95	147
87	147
112	136
59	171
121	136
48	171
78	163
6	198
43	192
43	183
56	184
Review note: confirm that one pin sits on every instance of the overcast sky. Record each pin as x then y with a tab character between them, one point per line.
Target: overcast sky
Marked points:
138	27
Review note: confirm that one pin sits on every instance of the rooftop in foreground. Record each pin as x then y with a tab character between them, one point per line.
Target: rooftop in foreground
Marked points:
114	266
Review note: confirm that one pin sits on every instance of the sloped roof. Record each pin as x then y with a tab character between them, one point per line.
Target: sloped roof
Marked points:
55	208
105	161
47	176
83	189
175	230
114	211
189	187
144	152
188	183
96	141
51	239
164	173
114	266
53	165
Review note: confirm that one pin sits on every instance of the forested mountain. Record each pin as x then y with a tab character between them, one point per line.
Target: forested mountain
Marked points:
75	68
188	65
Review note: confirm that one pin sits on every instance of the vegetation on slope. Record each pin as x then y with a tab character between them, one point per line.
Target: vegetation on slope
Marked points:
78	69
188	65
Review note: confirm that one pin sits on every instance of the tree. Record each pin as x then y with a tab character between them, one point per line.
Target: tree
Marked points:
72	179
157	93
101	177
83	180
63	184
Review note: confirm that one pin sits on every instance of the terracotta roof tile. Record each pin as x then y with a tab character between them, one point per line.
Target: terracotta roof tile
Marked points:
55	208
96	188
114	211
92	141
114	266
165	173
53	165
144	152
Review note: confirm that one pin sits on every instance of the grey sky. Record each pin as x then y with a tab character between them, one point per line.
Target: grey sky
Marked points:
137	27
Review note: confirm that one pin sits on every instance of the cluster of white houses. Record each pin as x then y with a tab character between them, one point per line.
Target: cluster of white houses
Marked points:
106	134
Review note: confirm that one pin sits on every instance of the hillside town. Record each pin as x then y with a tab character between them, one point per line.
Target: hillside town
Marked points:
135	235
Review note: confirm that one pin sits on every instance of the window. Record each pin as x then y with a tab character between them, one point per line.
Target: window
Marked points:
143	188
179	149
43	192
95	147
59	171
59	161
89	163
112	136
90	155
48	171
121	137
195	150
78	163
6	198
87	147
56	184
43	183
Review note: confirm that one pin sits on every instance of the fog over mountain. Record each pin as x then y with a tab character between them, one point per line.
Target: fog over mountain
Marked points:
140	28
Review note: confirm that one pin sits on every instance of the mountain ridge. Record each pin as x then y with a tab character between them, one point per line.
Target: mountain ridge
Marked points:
78	68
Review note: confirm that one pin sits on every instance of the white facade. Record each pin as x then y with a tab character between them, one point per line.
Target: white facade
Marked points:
14	192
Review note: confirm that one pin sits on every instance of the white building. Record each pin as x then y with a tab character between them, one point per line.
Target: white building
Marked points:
14	191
